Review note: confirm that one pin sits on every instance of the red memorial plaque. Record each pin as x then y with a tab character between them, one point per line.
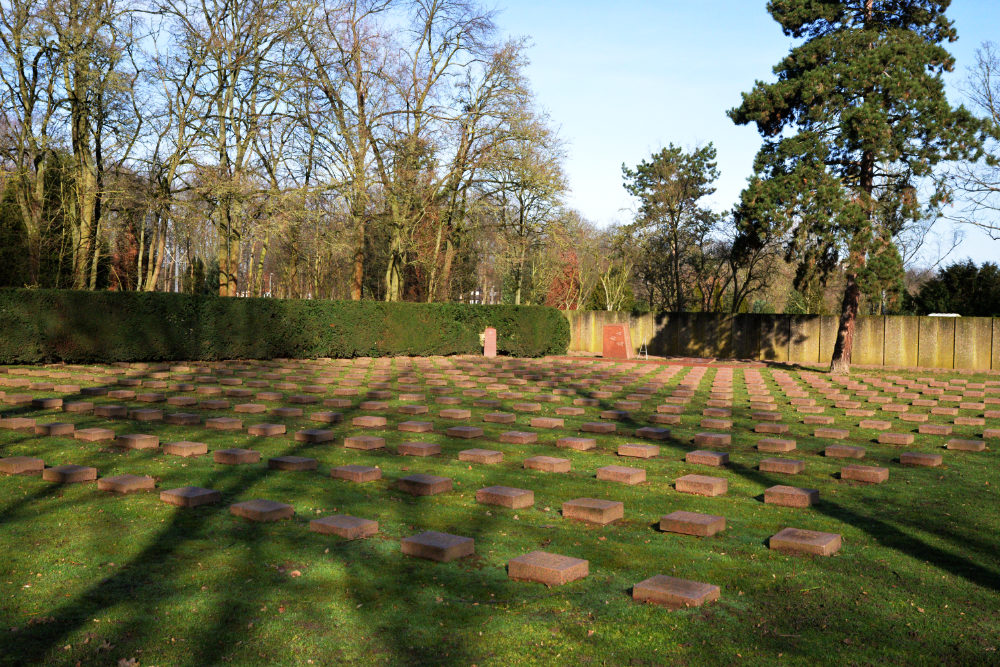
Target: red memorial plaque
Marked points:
490	343
617	342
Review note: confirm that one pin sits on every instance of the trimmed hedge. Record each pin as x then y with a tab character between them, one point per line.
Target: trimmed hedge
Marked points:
77	326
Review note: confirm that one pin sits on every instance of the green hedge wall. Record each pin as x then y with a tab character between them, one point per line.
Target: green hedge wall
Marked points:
76	326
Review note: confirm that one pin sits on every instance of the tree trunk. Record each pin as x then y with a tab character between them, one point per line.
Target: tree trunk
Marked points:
841	362
358	273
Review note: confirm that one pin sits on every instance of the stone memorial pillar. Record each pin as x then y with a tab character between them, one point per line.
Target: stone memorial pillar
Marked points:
617	342
490	342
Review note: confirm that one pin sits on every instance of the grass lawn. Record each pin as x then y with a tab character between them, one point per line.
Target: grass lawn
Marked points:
88	577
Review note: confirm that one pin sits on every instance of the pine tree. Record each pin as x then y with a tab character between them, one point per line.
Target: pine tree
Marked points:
857	119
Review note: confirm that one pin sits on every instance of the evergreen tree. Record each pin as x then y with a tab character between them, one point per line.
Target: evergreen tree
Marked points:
857	118
962	288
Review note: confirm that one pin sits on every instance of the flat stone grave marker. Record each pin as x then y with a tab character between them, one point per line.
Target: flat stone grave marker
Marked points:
707	458
832	433
440	547
673	592
622	474
182	419
775	445
844	452
356	473
485	456
326	417
21	465
957	444
236	456
55	429
314	435
345	526
266	430
415	427
639	451
593	510
921	459
547	568
46	403
126	484
214	405
262	510
369	421
799	541
464	432
418	449
547	464
138	441
420	484
250	408
579	444
364	442
292	463
224	424
701	485
506	496
190	496
790	496
887	438
413	409
692	523
69	474
869	474
185	448
94	434
783	466
518	437
598	427
546	422
78	407
111	411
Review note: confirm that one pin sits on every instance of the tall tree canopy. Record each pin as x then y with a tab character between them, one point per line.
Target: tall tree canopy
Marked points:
855	122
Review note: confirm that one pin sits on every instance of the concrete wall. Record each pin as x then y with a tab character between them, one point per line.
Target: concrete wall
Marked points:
932	342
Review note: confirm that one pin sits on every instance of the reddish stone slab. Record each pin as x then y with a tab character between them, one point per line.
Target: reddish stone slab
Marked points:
707	458
418	449
598	427
224	424
547	568
182	419
126	484
424	485
364	442
356	473
345	526
790	496
621	474
185	448
775	445
921	459
138	441
895	438
547	464
464	432
674	593
78	407
869	474
69	474
639	451
966	445
94	434
832	433
190	496
440	547
701	485
518	437
692	523
617	342
262	510
314	435
593	510
547	422
291	463
783	466
799	541
499	418
484	456
235	456
54	429
652	433
21	465
490	342
844	452
111	411
266	430
505	496
934	429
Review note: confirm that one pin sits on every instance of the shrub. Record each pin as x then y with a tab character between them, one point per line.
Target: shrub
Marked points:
77	326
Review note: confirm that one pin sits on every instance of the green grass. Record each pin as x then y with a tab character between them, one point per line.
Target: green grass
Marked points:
91	578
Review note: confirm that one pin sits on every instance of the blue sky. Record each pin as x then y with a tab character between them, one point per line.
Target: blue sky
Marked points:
622	79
